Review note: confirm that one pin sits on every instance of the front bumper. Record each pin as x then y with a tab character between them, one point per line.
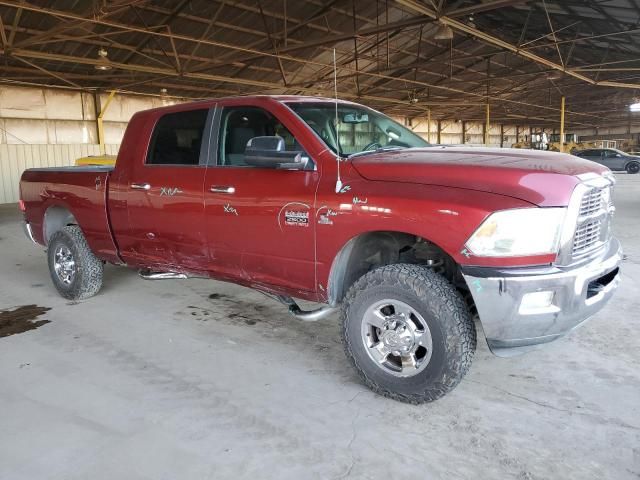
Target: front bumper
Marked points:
577	293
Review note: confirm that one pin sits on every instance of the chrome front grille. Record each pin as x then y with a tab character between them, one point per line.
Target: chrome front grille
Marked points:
591	202
592	229
587	235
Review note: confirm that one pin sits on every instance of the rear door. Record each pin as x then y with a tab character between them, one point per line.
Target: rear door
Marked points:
594	155
164	201
259	220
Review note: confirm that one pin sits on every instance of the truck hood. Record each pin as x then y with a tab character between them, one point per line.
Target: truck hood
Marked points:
541	178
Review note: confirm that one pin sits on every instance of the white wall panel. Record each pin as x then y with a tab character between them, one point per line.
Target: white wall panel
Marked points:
66	131
63	105
22	102
14	159
28	131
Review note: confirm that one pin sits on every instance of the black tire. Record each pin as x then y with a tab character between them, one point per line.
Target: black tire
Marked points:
446	314
86	279
633	167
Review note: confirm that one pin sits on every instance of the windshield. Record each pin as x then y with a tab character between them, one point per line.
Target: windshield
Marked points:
359	129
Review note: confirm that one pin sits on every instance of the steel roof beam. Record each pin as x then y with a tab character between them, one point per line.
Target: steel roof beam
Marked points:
487	38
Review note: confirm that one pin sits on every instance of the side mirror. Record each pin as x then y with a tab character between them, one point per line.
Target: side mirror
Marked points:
269	152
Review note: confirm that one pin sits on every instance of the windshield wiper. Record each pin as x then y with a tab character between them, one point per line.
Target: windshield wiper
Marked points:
377	150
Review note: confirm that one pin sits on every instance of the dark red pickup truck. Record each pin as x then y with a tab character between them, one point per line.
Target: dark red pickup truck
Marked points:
336	203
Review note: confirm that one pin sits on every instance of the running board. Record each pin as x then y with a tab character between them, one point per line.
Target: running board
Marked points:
150	275
304	315
310	315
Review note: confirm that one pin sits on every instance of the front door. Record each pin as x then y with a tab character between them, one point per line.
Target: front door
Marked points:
614	160
259	220
165	204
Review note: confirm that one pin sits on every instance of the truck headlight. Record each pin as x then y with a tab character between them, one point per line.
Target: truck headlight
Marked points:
519	232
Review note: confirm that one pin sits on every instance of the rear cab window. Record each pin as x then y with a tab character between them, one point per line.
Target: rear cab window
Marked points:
177	138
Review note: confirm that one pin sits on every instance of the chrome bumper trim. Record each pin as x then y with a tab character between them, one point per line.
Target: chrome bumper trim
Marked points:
498	295
28	232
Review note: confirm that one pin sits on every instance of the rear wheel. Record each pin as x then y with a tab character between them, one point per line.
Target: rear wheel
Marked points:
408	333
633	167
75	271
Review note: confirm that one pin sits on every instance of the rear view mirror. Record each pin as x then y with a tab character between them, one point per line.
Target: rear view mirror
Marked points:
269	152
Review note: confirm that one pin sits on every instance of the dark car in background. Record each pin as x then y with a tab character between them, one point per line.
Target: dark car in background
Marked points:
615	159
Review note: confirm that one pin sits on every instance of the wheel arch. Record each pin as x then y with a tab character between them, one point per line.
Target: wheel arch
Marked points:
373	249
631	162
56	217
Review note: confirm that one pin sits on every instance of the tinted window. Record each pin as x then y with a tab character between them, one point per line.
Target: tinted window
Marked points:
177	138
612	153
238	125
586	153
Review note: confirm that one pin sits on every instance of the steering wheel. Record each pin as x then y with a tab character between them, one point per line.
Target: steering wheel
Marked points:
372	146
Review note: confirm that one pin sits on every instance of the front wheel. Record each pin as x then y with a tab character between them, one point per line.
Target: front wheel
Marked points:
75	271
408	332
633	167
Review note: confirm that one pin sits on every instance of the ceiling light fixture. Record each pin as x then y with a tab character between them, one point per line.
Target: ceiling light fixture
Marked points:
471	22
103	62
444	32
635	107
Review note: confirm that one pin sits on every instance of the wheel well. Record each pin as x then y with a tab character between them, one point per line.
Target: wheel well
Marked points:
374	249
56	218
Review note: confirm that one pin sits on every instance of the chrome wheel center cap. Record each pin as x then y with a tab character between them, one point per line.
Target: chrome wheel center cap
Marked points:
398	337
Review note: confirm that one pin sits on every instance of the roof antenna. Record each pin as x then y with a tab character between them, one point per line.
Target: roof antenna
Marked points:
335	91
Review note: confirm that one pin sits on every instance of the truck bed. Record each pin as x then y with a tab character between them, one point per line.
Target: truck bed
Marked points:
50	194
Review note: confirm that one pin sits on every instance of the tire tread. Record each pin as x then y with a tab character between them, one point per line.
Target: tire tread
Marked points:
90	268
428	286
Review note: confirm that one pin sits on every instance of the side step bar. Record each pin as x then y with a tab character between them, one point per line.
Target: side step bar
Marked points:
305	315
311	315
151	275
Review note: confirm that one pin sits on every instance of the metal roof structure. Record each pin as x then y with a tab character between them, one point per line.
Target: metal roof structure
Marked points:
400	56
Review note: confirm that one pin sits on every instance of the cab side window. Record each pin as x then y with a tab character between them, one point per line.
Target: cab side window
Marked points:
238	125
177	138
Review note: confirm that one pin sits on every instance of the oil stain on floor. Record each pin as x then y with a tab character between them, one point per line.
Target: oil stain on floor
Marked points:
21	319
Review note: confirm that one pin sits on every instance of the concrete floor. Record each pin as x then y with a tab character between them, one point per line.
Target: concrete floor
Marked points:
199	379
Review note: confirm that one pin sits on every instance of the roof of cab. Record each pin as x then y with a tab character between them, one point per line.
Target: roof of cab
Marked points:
276	98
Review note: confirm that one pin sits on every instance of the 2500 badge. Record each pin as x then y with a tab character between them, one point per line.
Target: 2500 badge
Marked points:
295	218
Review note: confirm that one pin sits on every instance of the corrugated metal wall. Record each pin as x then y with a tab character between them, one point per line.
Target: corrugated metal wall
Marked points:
43	127
52	116
14	159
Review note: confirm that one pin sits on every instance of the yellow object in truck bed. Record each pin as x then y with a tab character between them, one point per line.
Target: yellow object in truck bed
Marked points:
97	160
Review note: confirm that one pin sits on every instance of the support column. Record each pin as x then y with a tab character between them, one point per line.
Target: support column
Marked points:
562	124
429	125
464	132
439	131
103	110
487	127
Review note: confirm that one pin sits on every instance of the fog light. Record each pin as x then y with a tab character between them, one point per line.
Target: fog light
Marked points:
537	302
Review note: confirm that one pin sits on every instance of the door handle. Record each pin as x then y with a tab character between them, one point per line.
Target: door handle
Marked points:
228	189
140	186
